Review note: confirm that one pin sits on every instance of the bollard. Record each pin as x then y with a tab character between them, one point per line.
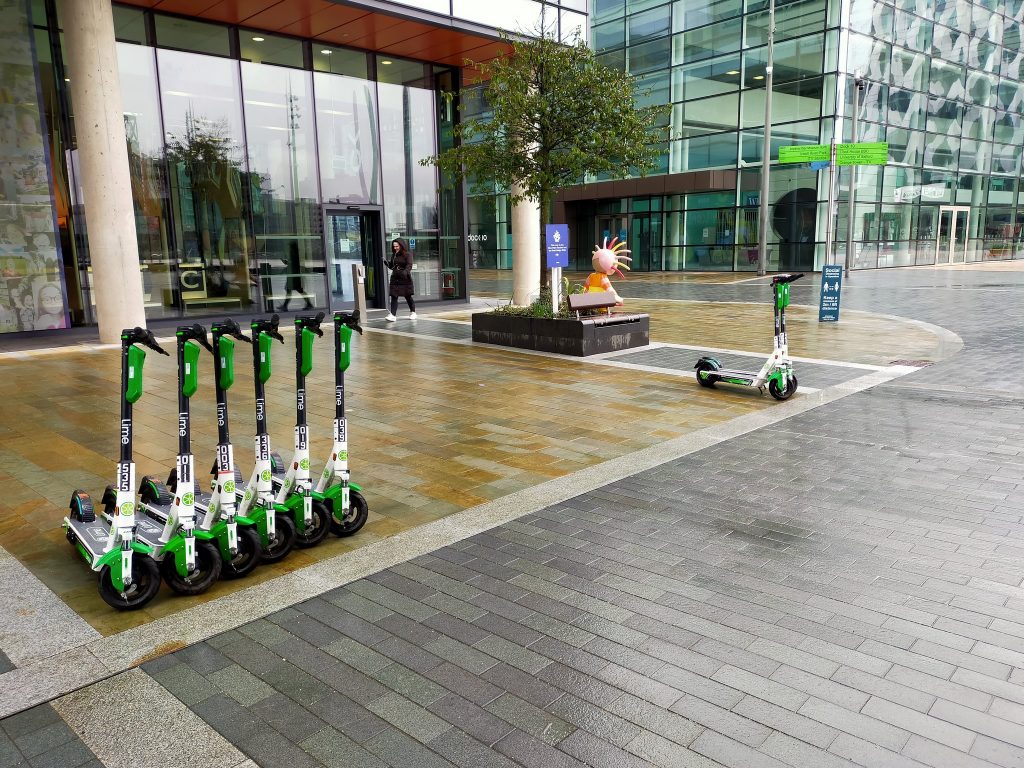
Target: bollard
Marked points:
359	287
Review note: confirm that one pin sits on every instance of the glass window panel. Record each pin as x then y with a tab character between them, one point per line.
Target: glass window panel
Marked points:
869	57
913	31
1010	96
346	121
1006	158
941	150
188	35
263	48
907	109
949	44
129	24
947	80
285	199
798	100
694	81
610	35
793	19
905	146
144	131
648	57
653	88
208	179
603	10
401	72
708	42
407	130
944	116
983	54
869	15
1013	64
698	13
714	151
986	24
650	25
909	70
717	113
613	59
794	60
340	61
1009	127
981	88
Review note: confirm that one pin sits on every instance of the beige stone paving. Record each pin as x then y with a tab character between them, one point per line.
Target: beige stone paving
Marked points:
434	427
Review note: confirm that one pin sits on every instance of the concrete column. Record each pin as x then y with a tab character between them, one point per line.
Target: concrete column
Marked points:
103	158
525	250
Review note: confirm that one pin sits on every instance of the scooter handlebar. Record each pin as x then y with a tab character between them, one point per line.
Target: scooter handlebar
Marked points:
196	333
145	337
229	328
312	322
268	326
786	278
351	319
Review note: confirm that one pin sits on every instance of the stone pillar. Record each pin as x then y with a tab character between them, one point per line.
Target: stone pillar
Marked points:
103	159
525	250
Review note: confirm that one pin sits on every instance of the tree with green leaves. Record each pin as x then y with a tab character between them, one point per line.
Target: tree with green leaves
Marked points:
555	115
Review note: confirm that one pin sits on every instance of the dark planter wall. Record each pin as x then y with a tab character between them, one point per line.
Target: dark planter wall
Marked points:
567	337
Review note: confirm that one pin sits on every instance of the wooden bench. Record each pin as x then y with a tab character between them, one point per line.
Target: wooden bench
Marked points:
590	302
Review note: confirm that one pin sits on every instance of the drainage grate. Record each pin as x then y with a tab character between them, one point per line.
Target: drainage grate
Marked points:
912	363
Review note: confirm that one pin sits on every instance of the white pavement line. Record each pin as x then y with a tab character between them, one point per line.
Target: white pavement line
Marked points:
131	720
59	675
45	625
681	373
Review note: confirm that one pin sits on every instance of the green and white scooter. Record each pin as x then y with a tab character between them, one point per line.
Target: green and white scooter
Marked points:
777	371
189	560
256	497
237	538
345	499
128	577
294	490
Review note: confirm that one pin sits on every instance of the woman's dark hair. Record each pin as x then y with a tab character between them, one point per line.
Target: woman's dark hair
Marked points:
402	247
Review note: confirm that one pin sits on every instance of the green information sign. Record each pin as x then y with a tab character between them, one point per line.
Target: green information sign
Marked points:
876	153
804	153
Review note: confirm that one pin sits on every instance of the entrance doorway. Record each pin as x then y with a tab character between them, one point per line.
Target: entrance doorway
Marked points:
352	235
951	236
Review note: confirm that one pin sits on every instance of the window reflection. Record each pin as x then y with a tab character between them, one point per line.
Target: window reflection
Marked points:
208	181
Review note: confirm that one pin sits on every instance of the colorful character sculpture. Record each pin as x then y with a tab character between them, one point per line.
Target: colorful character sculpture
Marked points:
607	258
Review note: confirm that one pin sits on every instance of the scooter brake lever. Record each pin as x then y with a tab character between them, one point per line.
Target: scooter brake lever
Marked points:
150	341
199	335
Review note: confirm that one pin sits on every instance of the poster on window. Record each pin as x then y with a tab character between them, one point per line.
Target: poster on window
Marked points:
32	293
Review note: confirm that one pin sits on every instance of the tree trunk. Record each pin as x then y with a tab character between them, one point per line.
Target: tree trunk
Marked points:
545	219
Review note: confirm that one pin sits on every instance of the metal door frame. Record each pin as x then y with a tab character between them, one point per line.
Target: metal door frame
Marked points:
950	253
364	211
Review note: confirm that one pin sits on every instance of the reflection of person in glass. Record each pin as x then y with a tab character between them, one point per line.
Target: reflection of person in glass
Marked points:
401	279
293	282
49	308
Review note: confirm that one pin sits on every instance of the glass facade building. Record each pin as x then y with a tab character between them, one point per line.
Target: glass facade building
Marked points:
943	85
262	165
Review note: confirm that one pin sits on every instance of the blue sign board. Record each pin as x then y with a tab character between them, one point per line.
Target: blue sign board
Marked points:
831	288
557	245
819	165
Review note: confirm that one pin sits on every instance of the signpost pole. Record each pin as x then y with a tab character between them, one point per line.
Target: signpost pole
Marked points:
858	85
766	151
830	216
556	287
557	247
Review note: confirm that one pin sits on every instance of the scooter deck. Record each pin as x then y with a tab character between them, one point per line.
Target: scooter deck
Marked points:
93	535
147	529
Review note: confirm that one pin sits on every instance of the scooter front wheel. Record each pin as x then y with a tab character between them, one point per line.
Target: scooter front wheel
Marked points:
248	556
782	394
277	549
145	584
208	566
355	519
707	380
317	529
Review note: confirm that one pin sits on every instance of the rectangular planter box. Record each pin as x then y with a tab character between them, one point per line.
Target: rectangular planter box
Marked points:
589	336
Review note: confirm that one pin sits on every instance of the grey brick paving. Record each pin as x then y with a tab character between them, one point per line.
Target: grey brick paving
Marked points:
39	738
842	589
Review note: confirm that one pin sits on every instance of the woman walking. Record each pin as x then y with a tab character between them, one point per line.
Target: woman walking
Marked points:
401	279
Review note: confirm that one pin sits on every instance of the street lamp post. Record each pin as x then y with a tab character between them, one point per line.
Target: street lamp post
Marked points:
766	149
858	86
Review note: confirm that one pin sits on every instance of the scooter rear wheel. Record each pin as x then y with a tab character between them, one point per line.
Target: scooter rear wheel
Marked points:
250	552
356	518
709	380
145	584
782	394
317	530
283	541
208	566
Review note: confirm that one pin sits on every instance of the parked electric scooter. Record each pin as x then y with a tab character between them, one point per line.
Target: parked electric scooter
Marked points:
294	491
777	371
277	532
128	577
189	560
237	539
346	502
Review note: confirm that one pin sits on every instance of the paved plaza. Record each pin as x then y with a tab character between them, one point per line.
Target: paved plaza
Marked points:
710	578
